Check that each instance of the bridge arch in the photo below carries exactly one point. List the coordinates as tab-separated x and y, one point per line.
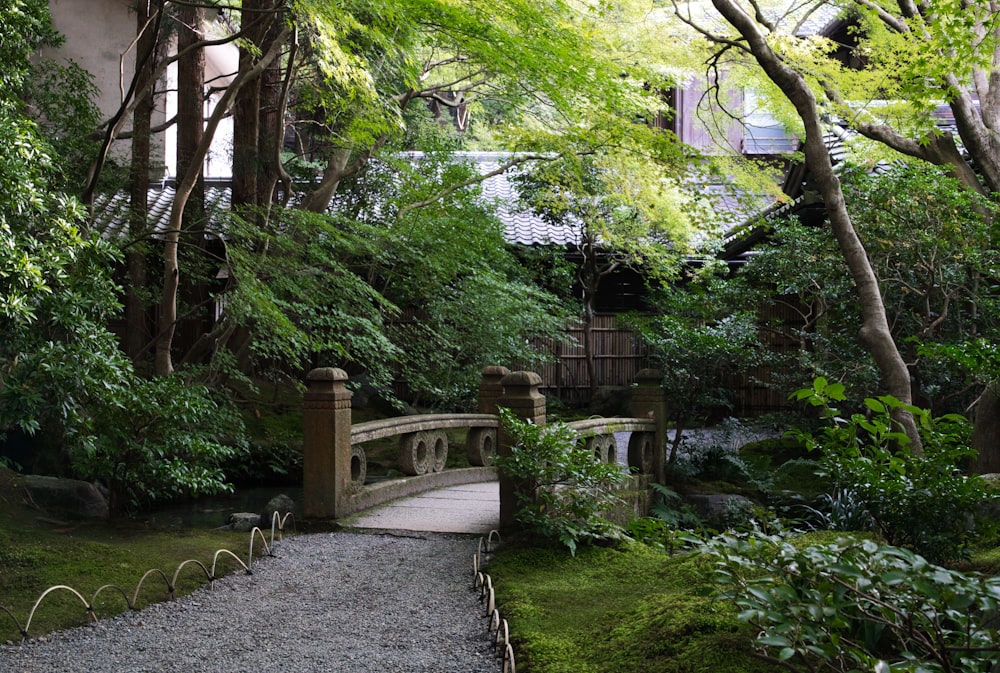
334	459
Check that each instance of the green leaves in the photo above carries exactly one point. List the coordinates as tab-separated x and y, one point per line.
160	439
918	500
562	491
58	361
25	26
368	60
847	605
698	341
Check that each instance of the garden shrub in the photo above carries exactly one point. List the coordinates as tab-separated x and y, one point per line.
562	491
855	605
917	499
669	522
163	439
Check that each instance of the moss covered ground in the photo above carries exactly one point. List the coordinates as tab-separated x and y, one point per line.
630	609
619	609
40	550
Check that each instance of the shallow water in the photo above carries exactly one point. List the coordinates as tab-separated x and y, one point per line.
214	511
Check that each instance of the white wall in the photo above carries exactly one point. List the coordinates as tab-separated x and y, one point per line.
99	36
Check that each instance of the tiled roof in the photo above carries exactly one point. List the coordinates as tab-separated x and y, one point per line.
521	225
111	211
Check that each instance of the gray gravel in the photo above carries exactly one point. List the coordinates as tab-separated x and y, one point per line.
343	601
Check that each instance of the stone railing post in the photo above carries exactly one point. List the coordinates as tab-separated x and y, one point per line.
491	388
521	396
326	461
648	401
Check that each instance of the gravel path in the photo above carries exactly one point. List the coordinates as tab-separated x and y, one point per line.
343	601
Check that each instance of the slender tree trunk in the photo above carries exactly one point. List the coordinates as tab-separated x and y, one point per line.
875	331
247	111
589	279
190	131
245	133
271	125
986	431
136	332
975	104
191	106
185	186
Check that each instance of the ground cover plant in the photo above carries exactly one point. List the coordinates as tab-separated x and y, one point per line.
857	605
618	609
40	550
866	594
786	600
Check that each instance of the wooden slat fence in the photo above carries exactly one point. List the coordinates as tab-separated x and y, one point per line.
618	356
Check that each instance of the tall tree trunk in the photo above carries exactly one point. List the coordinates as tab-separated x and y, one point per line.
136	332
191	106
975	104
986	431
875	331
271	125
190	131
247	111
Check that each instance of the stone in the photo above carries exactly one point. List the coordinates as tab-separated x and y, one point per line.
718	510
281	503
71	496
243	522
990	509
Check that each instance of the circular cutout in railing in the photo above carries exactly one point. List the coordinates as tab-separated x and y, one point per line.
414	457
359	466
603	448
438	443
480	446
641	451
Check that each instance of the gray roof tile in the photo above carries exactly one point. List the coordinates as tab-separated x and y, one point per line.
521	225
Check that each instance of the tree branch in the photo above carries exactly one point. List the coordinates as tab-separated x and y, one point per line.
893	22
131	100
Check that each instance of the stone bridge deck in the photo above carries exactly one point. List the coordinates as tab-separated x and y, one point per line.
468	508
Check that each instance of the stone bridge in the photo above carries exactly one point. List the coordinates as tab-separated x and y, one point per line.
335	466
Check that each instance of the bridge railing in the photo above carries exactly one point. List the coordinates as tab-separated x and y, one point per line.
335	464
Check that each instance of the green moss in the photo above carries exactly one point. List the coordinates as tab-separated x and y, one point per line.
37	553
986	561
617	610
775	451
800	476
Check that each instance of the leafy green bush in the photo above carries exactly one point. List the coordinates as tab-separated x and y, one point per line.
920	500
562	491
858	606
161	440
698	354
840	510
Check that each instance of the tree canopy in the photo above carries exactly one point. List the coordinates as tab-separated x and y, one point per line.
339	246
